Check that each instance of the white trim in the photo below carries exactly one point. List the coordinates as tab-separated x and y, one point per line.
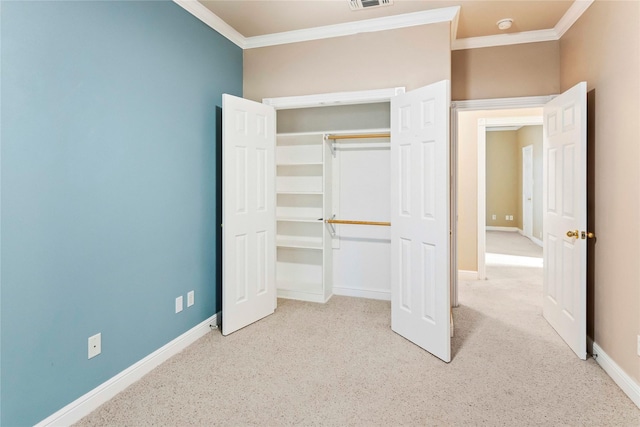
532	238
503	128
446	14
505	39
496	228
200	11
87	403
568	19
432	16
513	121
487	104
467	275
335	98
624	381
536	241
571	16
301	296
483	124
502	103
481	196
363	293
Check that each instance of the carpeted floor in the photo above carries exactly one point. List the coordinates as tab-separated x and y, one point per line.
340	364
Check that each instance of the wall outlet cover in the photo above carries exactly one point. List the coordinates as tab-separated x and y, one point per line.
190	298
179	304
95	345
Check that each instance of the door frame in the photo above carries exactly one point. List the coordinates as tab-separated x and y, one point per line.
527	184
479	105
483	124
334	98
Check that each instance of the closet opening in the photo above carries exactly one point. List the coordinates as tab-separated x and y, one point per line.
333	202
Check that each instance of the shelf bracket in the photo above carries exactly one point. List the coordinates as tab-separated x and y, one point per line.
332	229
332	144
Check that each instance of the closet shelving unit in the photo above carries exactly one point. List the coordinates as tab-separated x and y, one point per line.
303	181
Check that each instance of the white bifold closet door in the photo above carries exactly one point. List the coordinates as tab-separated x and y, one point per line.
249	221
420	257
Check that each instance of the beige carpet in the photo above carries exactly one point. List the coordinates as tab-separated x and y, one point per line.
340	364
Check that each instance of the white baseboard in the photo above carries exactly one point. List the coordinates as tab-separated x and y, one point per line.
533	239
467	275
492	228
536	241
624	381
84	405
363	293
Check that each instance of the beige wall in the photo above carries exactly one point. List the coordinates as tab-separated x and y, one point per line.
468	180
506	71
603	49
410	57
531	135
501	178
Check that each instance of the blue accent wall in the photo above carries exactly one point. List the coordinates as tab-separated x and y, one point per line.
108	168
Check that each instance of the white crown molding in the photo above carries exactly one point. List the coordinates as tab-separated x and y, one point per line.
433	16
335	98
198	10
568	19
447	14
571	16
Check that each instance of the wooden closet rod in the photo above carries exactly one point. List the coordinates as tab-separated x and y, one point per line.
343	221
360	136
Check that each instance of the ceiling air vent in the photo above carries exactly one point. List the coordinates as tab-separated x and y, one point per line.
367	4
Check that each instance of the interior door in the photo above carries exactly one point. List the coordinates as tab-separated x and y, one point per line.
565	216
248	239
420	257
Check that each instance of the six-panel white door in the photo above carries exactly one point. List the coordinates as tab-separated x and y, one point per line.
248	152
420	257
564	216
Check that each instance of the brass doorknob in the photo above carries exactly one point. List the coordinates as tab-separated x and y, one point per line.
588	235
573	233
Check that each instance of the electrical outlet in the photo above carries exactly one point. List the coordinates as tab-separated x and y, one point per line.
493	217
179	304
510	217
506	217
95	345
191	298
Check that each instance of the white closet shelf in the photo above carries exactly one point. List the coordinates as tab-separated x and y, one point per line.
299	164
298	286
299	242
300	219
299	192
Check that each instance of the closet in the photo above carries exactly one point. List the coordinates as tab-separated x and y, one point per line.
327	173
293	204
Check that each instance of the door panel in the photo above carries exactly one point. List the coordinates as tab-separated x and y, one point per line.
420	288
248	151
564	210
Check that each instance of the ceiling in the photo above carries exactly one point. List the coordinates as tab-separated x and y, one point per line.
477	18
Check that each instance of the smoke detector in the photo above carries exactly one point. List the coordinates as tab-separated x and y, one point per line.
367	4
504	24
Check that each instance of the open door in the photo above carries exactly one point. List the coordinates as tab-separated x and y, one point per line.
248	239
420	257
565	216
